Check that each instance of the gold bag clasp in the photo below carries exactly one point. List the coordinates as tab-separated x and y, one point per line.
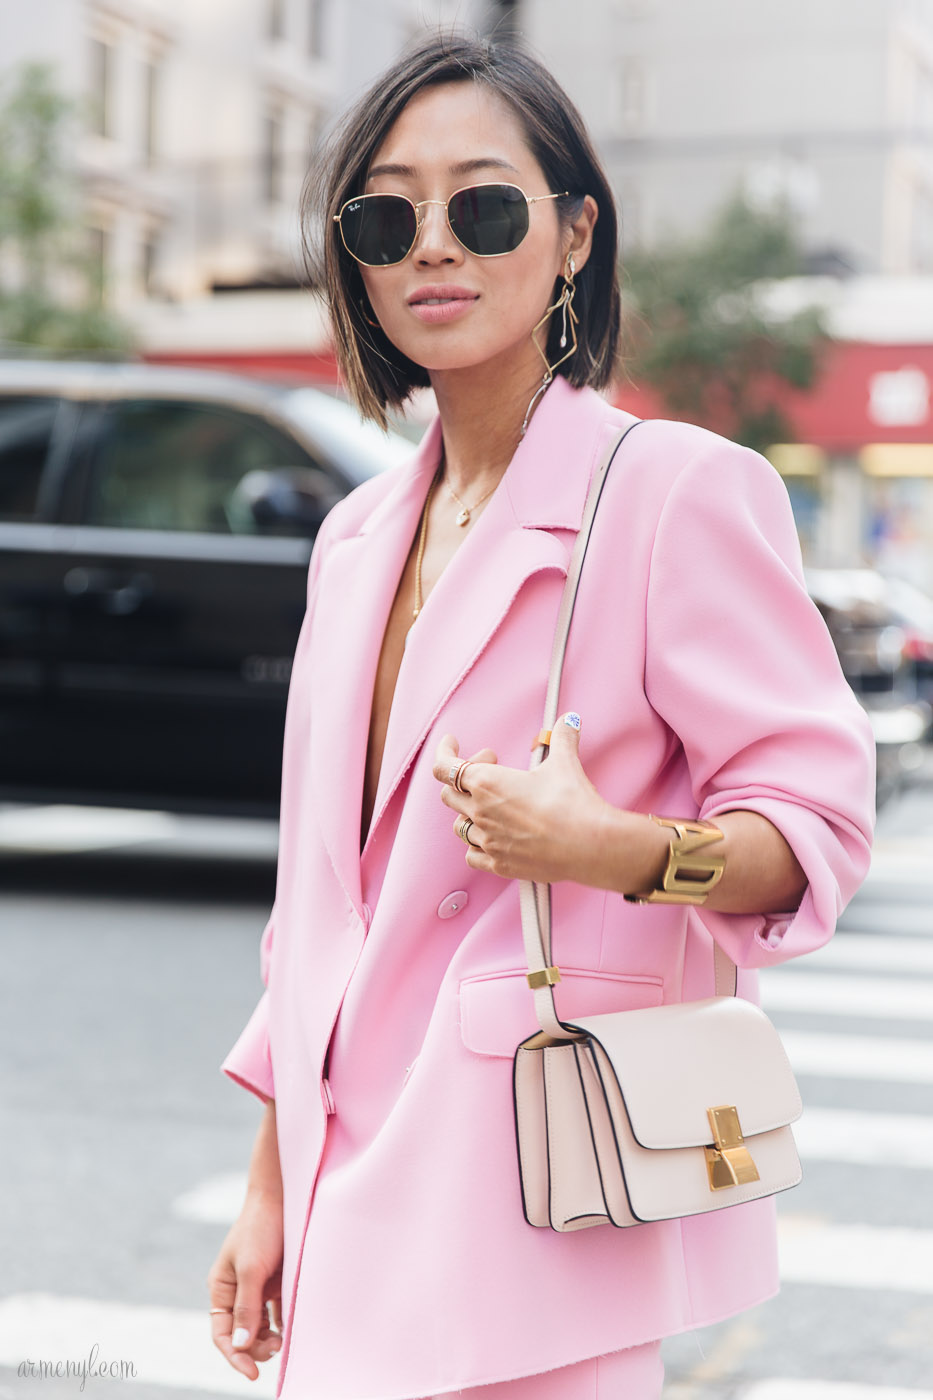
729	1163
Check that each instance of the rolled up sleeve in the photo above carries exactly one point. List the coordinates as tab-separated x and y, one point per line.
741	667
249	1062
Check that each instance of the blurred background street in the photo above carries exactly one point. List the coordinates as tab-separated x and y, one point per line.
172	434
130	943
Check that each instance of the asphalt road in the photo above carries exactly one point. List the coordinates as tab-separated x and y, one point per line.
130	946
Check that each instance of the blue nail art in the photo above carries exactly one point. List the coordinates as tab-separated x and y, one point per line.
573	719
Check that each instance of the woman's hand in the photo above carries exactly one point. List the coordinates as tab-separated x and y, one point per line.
246	1281
551	824
546	824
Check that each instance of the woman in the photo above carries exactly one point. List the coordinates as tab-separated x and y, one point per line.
383	1218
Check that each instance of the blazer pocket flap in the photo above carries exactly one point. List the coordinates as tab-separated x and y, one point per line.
497	1009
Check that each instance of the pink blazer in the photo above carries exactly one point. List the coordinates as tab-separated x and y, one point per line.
706	681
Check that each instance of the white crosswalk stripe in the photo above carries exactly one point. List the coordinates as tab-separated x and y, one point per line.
872	952
883	998
855	1256
865	1139
860	1057
828	1390
216	1201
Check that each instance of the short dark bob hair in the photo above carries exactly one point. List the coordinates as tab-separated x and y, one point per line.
378	376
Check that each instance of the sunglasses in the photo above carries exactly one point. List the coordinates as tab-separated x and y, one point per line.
380	230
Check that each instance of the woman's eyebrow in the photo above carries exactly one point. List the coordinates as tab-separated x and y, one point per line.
462	167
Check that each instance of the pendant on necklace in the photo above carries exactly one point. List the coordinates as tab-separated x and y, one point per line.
464	517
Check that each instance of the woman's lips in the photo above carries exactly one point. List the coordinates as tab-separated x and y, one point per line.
437	304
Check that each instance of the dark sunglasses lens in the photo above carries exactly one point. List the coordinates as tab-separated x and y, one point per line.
489	219
380	229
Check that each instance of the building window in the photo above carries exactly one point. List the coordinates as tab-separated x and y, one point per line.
629	114
151	92
314	132
101	87
149	264
99	256
923	102
631	215
921	233
317	12
272	157
275	19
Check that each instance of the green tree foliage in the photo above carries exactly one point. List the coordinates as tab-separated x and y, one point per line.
50	292
700	333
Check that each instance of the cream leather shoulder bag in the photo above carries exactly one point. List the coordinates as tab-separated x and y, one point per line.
634	1116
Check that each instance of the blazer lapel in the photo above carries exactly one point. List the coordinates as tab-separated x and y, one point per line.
543	491
358	582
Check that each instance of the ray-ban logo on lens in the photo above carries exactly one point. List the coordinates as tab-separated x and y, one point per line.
352	208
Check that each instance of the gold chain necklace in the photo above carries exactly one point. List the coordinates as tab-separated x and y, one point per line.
463	518
422	540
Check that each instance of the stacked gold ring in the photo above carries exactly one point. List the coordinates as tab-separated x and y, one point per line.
462	828
455	777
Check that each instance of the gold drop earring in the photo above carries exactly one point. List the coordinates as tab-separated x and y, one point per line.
563	304
366	317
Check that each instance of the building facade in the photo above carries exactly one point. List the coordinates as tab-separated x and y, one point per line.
828	105
196	122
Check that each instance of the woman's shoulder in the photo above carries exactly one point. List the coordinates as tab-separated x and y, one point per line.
666	447
350	514
663	459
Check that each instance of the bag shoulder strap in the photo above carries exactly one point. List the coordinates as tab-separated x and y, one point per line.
535	899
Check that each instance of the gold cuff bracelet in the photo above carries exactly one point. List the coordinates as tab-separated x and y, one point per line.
687	879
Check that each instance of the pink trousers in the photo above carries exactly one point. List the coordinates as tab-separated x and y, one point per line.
637	1373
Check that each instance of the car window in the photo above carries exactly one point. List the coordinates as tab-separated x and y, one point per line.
163	465
26	424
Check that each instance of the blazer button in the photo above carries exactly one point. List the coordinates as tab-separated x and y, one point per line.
452	904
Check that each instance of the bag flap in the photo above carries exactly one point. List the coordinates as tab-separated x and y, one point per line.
674	1062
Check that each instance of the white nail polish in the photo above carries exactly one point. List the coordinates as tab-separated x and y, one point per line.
240	1337
572	719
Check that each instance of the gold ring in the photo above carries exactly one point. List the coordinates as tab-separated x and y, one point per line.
222	1310
463	828
457	778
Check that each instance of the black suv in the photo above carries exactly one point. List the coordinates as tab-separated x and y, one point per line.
155	531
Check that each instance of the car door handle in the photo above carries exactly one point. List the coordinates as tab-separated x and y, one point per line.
118	594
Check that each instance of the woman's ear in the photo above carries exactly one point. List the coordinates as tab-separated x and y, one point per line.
581	241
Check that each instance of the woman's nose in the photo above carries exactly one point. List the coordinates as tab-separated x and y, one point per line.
435	241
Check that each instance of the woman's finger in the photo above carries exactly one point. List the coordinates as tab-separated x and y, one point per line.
221	1335
466	830
249	1321
456	801
446	755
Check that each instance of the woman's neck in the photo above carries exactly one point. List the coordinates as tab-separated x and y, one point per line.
482	410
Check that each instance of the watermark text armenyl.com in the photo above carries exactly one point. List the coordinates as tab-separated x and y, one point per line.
92	1366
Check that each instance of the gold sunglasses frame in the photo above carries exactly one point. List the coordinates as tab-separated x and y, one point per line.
445	204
